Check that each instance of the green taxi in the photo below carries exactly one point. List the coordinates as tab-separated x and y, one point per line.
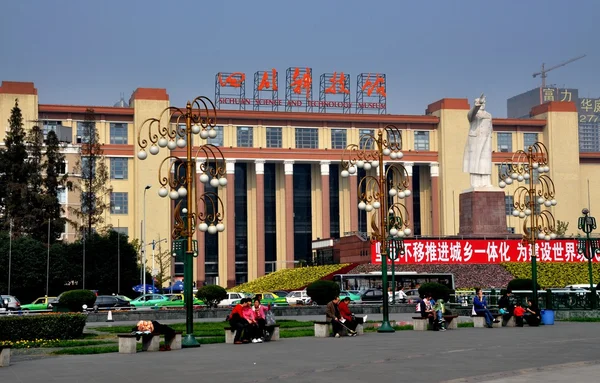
148	300
38	304
177	300
272	299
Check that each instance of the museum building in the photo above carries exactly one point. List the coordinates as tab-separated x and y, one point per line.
284	187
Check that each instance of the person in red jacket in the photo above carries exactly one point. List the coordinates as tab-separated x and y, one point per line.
238	323
351	322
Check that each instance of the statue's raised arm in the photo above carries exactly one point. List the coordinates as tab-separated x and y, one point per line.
478	102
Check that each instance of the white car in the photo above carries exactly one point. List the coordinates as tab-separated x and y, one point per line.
231	297
298	297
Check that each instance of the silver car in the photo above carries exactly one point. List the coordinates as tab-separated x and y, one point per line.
11	302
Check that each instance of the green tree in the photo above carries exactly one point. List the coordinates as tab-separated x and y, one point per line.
53	182
93	182
32	223
14	171
212	295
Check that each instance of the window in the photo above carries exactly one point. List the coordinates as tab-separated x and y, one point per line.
529	139
85	131
85	167
421	140
218	140
366	141
503	170
62	167
119	203
50	125
338	139
244	137
118	168
88	201
536	177
118	133
394	137
505	142
508	204
307	138
62	196
274	138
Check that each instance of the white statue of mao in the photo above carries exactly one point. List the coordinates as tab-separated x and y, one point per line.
477	160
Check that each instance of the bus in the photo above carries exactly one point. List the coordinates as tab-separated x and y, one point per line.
407	280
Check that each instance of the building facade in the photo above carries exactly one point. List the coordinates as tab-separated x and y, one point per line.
284	186
588	111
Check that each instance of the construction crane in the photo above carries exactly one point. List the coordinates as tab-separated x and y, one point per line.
544	70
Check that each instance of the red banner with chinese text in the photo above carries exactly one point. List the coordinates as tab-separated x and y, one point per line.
455	251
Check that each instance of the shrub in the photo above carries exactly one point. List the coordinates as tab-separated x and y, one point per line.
45	326
212	295
555	274
323	292
437	290
521	284
74	300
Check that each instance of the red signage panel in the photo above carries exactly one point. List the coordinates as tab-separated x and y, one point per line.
455	251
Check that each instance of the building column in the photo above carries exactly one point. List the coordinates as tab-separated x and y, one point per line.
200	235
289	215
435	198
325	215
230	226
260	217
354	202
409	200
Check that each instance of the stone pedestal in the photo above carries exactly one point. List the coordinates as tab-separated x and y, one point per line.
482	212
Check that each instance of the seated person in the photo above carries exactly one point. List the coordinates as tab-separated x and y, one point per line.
238	323
351	321
427	311
533	314
439	308
480	308
506	307
333	316
154	327
252	329
518	312
260	316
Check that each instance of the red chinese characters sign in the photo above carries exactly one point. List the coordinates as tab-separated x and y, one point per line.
482	251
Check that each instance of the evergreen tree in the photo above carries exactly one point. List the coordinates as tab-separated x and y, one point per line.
32	222
92	184
15	174
52	183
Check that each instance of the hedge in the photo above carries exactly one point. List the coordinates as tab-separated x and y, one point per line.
552	274
44	326
75	299
323	292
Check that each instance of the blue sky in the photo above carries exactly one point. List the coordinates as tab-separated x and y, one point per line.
87	53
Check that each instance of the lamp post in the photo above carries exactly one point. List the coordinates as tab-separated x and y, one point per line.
48	260
179	179
537	225
144	243
10	227
588	247
380	195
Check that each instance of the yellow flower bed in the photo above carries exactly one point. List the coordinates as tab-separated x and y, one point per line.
550	274
288	279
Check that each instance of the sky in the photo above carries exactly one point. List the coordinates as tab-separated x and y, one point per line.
89	52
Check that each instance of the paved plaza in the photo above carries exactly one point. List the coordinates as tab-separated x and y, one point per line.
560	353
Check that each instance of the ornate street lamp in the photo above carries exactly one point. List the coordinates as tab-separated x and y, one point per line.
380	195
537	224
588	247
179	180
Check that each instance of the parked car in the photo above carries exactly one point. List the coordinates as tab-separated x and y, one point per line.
39	304
232	299
125	298
354	298
148	300
13	303
110	301
272	299
298	297
177	300
412	296
372	295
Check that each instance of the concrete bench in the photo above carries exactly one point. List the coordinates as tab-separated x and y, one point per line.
273	330
4	356
512	322
325	329
479	320
422	324
150	342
